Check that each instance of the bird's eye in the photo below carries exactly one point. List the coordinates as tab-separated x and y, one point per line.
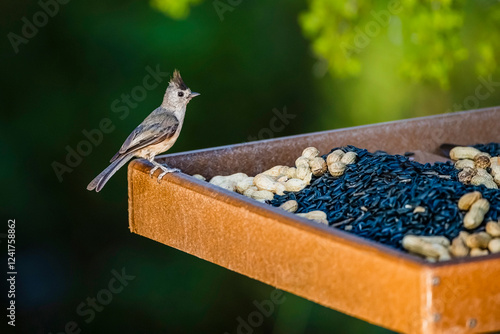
180	94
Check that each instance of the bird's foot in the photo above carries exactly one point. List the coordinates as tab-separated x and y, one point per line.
166	171
164	168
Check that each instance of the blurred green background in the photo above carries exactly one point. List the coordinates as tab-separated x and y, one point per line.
331	63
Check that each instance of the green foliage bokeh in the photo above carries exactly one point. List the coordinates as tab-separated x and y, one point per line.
428	39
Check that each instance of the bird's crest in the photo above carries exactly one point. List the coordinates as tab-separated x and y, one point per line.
177	80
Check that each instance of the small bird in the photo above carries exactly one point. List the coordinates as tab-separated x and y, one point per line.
156	134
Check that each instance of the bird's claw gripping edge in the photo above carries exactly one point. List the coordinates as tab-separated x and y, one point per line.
164	168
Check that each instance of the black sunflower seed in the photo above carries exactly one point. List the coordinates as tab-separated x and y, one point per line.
375	197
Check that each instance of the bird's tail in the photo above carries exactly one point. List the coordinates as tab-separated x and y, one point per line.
100	180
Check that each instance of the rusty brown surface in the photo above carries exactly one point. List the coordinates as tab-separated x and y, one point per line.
466	296
328	266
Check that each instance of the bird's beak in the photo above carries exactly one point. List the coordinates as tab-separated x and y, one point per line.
193	94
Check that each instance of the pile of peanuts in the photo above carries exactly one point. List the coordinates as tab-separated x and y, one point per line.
476	167
262	187
438	248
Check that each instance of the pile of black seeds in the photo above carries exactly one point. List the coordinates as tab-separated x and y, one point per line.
492	148
376	197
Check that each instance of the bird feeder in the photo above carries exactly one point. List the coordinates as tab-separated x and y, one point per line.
359	277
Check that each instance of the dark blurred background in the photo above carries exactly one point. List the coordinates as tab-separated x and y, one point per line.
331	64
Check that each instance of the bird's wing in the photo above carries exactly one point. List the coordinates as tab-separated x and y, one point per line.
152	130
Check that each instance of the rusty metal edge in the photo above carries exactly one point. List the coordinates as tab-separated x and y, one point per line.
305	135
